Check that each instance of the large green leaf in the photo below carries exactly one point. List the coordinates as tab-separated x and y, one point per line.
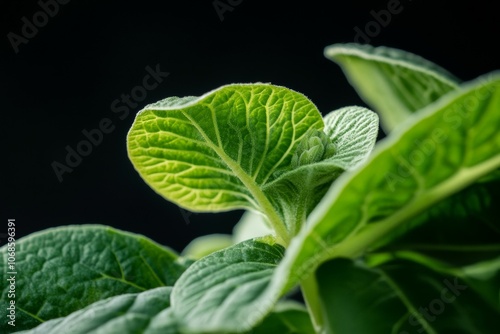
64	269
441	151
216	152
393	82
366	204
146	312
402	296
215	293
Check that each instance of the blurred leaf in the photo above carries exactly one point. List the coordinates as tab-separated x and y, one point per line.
403	297
207	244
393	82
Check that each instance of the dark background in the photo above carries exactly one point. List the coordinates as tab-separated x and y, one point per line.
65	78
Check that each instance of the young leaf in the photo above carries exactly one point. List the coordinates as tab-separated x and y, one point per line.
67	268
320	158
393	82
353	131
217	152
146	312
401	296
214	294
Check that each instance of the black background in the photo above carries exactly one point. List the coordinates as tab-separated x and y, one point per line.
65	78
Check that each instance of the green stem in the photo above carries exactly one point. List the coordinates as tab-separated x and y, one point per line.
309	288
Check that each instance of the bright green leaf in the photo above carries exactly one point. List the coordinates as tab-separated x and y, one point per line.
146	312
215	293
217	152
320	158
64	269
393	82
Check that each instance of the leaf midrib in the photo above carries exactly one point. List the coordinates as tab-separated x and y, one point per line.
356	245
248	181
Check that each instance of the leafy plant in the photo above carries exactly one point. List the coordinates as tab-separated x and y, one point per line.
401	239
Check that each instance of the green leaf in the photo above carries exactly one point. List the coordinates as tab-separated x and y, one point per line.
64	269
356	299
402	296
149	312
146	312
207	244
215	293
216	152
393	82
287	318
443	150
353	131
320	158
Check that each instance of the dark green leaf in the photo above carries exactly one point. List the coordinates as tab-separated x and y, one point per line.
287	318
64	269
146	312
404	297
461	230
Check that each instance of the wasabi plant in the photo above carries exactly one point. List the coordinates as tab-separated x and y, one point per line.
398	236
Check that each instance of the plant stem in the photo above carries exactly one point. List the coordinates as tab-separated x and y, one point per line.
309	289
